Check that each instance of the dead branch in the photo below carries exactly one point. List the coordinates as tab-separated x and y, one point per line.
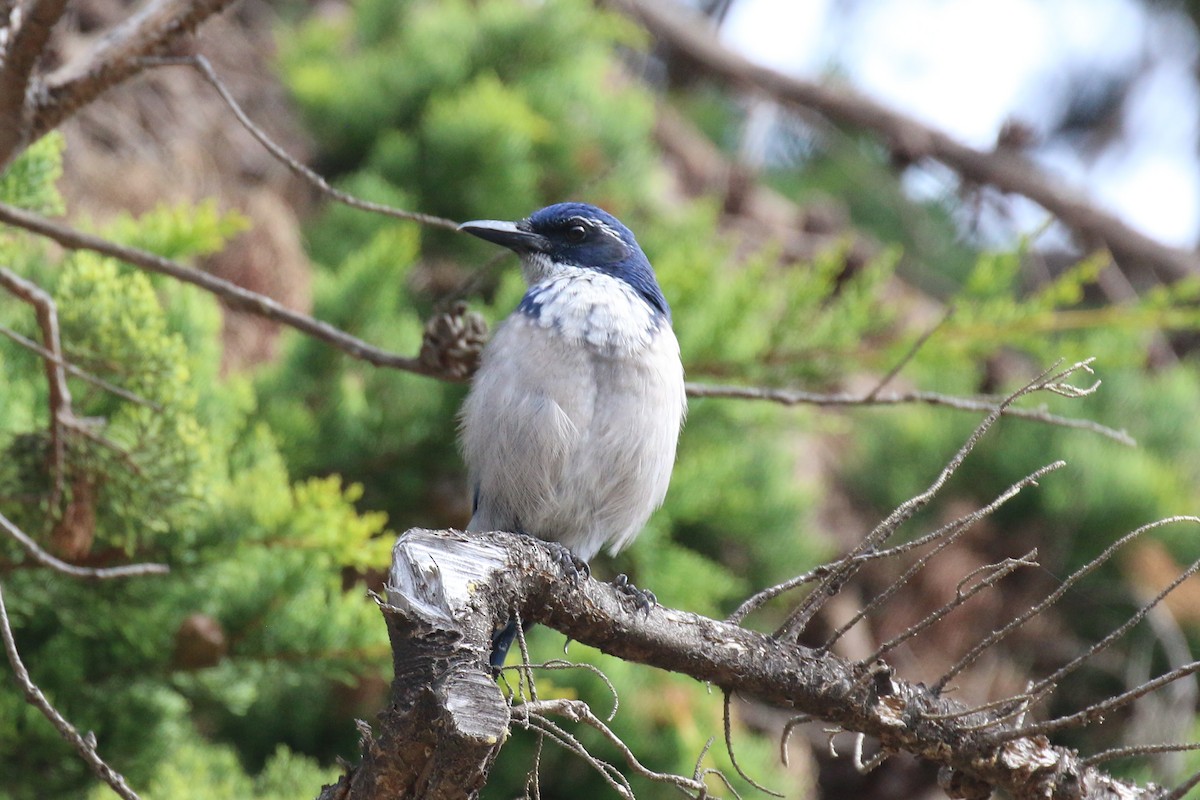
28	28
1051	380
1072	579
61	415
791	397
84	745
231	294
99	573
202	66
452	587
578	711
1002	168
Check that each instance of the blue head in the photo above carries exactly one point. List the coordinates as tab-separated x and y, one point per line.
575	235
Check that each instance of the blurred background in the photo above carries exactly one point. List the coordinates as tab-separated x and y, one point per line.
273	473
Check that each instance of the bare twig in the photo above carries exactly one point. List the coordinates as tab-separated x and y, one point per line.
1050	380
84	745
562	665
997	572
909	355
233	295
727	716
1003	168
1180	791
1140	750
82	374
579	712
1000	633
100	573
542	725
202	65
1097	711
791	397
947	535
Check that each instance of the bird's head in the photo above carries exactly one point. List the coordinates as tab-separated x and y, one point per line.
574	235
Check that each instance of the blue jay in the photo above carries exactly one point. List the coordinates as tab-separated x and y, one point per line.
570	428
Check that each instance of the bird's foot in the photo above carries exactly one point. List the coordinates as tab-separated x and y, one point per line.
571	564
643	599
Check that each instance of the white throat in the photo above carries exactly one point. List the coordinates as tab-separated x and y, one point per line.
587	306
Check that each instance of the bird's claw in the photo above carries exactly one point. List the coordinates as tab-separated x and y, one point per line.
572	565
643	599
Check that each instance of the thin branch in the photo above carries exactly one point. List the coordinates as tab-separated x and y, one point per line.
541	724
100	573
1005	169
997	573
947	534
1097	711
1140	750
82	374
727	717
561	665
1180	791
202	65
1048	381
792	397
84	746
234	296
909	355
1000	633
578	711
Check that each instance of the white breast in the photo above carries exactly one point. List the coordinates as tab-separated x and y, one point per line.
570	429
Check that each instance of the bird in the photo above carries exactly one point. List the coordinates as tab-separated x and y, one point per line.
570	428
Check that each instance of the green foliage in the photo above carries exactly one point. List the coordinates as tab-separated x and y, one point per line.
262	617
29	181
525	104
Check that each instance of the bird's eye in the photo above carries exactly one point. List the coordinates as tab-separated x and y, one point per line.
576	234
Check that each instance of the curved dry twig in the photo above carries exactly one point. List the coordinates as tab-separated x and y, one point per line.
202	66
578	711
1052	379
948	535
792	397
1000	633
997	572
232	294
99	573
85	746
728	722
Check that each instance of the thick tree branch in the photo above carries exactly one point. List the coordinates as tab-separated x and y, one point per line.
453	587
99	573
1003	169
154	30
32	22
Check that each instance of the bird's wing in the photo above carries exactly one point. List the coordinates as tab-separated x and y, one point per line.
522	421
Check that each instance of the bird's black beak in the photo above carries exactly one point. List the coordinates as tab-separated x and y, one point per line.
513	235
